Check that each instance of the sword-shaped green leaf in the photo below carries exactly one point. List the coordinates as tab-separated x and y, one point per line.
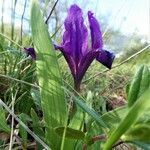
50	82
134	87
139	84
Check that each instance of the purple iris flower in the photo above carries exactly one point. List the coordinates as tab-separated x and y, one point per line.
30	52
74	46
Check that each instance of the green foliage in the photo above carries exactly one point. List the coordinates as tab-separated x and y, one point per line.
136	109
37	127
114	117
90	112
139	133
134	112
52	95
23	133
36	97
139	84
143	145
70	133
3	124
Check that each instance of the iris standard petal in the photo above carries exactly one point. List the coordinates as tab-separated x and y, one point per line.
75	38
106	58
30	51
96	34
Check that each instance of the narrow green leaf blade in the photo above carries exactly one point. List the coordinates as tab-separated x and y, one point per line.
88	110
23	132
52	95
139	84
3	123
37	128
91	112
114	117
145	81
134	87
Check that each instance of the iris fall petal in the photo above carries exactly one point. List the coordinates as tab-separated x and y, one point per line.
106	58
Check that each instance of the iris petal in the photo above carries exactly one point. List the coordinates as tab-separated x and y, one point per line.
106	58
75	38
103	56
71	63
30	51
96	34
86	62
68	58
74	44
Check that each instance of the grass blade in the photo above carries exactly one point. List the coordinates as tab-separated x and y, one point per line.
3	122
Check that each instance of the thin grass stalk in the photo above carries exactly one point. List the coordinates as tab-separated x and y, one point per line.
12	130
56	22
12	21
12	120
12	41
2	30
2	18
22	17
149	23
51	11
5	65
54	34
13	10
20	81
65	129
120	64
